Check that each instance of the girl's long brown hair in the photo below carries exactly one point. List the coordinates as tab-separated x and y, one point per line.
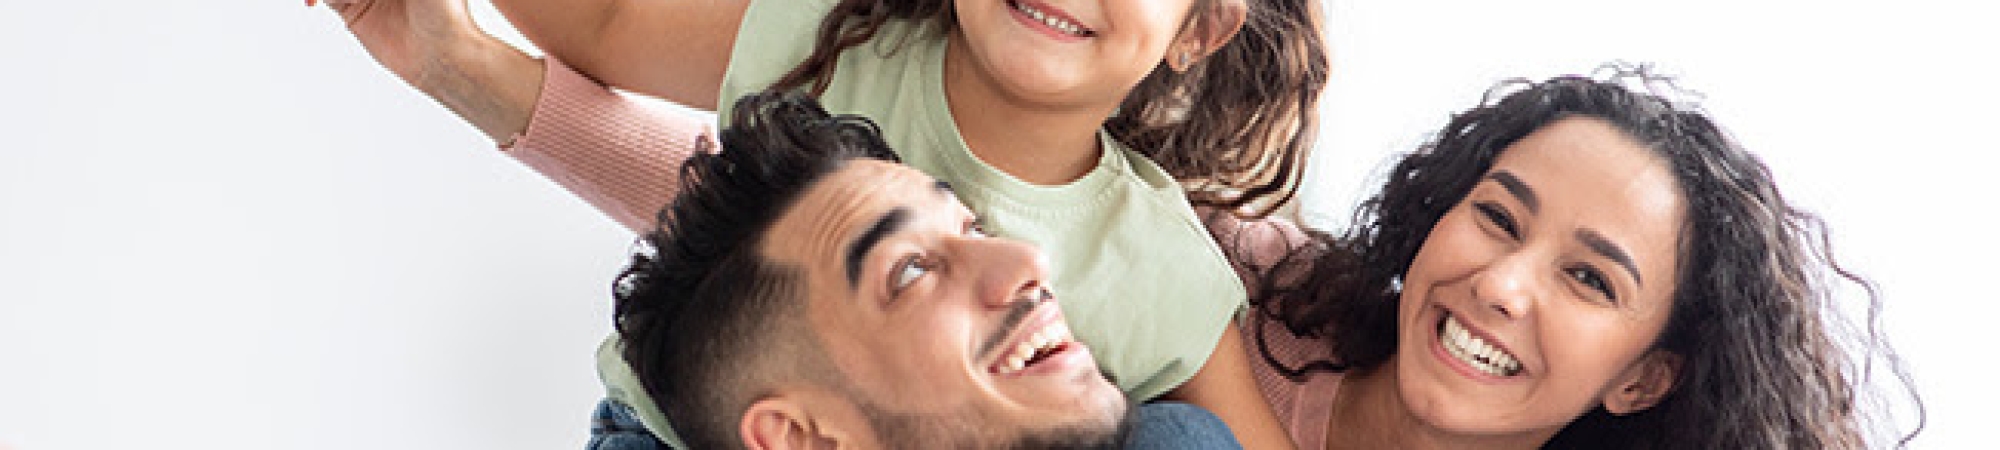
1235	128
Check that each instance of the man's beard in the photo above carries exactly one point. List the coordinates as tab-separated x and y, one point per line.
927	431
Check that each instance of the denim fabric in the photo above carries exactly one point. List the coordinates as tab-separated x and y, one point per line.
1178	426
615	427
1159	426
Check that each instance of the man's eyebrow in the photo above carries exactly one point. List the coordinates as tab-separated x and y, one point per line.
1520	190
885	226
1603	246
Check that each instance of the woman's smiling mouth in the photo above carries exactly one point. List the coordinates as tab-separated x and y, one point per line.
1465	346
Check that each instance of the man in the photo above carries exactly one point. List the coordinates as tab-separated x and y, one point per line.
804	291
968	351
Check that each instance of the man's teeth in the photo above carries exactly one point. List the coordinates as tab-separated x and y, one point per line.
1051	20
1461	343
1043	340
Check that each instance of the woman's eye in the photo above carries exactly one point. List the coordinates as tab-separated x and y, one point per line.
1594	280
907	272
1499	218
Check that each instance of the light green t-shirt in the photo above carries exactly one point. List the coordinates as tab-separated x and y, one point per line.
1138	276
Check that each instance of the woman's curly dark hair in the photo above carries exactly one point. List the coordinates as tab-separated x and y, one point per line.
1236	127
1769	360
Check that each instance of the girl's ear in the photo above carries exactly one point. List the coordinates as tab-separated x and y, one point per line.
1644	383
780	423
1207	30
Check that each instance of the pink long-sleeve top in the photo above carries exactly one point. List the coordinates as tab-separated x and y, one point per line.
624	158
1304	405
619	155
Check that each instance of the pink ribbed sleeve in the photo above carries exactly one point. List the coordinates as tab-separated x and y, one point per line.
1304	406
1253	246
620	156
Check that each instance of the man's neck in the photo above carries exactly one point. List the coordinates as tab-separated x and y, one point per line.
1039	144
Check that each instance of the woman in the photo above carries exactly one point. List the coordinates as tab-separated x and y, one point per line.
1574	265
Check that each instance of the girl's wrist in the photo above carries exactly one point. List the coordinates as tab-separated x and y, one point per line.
486	81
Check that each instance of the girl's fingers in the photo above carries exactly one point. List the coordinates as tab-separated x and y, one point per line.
344	8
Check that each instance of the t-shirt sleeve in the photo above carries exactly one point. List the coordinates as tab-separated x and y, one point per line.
619	155
776	35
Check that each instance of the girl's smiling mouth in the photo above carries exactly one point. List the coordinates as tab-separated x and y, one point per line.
1049	20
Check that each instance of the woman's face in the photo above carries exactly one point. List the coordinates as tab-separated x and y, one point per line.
1539	295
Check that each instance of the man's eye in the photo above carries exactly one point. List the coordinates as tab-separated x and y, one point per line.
908	271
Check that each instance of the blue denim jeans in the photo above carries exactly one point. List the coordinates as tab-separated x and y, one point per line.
1159	426
1178	426
615	427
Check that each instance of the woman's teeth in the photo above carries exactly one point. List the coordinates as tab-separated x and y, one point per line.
1462	344
1039	344
1051	20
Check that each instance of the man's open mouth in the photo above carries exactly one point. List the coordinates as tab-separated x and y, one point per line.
1053	338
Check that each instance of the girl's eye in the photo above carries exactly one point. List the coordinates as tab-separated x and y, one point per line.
1592	279
1499	218
908	271
974	229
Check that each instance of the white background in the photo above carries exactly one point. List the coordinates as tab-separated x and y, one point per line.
223	227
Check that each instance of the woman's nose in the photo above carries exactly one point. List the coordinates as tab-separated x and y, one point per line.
1508	286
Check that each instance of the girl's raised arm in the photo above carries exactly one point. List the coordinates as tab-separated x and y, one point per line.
673	49
619	155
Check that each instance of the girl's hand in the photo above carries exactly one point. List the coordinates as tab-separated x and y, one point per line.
435	47
409	37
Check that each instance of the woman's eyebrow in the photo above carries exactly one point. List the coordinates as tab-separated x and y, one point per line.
1520	190
1617	254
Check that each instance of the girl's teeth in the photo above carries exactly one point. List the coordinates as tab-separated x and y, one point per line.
1050	20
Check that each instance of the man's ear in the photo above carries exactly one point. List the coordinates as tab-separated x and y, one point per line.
781	424
1207	30
1644	383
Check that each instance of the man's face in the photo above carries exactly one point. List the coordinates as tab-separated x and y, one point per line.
937	327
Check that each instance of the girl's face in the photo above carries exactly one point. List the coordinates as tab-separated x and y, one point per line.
1539	295
1067	53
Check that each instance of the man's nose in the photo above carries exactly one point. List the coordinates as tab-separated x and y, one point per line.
1008	271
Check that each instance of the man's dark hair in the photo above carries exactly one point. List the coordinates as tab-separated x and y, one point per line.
707	322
